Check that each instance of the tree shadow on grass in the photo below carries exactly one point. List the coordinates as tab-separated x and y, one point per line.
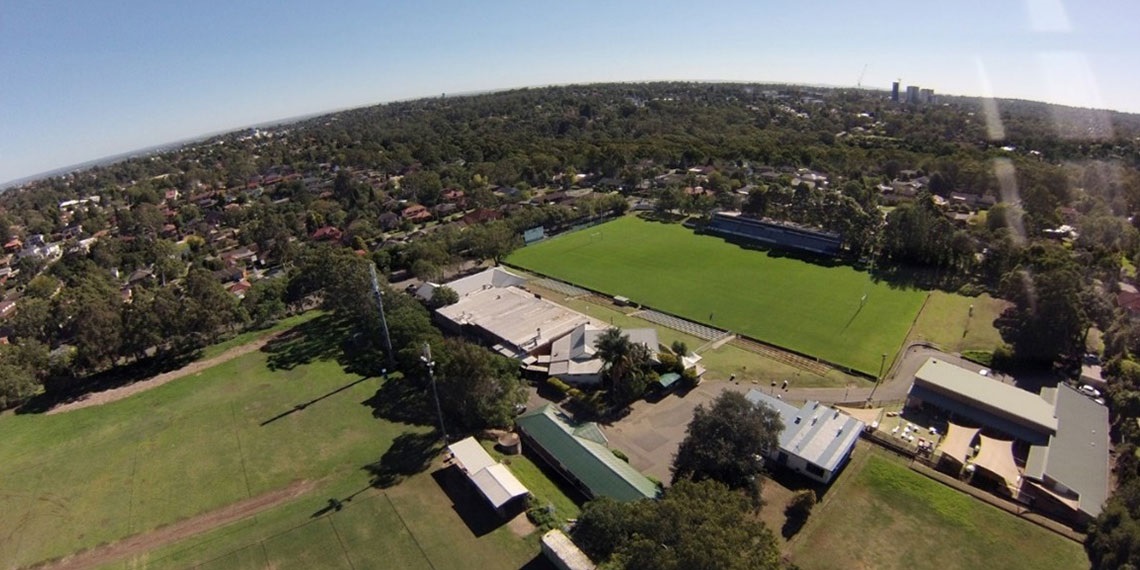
476	513
410	453
539	562
402	400
318	339
63	390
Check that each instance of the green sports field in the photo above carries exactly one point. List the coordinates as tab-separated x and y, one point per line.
788	302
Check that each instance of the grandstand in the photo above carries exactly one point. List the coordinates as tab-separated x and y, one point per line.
773	233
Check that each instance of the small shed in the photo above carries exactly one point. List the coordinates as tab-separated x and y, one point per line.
563	553
668	380
493	480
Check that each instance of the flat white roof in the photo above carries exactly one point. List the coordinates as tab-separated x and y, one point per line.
514	316
498	484
470	455
986	393
559	546
493	479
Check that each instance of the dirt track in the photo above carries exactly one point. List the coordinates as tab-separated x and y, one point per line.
148	541
115	394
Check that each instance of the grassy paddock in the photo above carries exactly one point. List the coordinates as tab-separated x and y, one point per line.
75	480
789	302
946	321
883	515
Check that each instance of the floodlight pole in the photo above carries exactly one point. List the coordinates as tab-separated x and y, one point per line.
426	358
879	378
383	321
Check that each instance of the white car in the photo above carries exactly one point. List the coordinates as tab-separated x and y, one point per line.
1089	391
984	372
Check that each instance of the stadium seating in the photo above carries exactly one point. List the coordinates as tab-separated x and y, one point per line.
776	234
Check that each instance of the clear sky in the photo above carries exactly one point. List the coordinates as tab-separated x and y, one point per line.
83	79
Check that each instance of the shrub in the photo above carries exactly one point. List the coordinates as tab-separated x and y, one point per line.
970	290
544	516
558	385
575	393
689	378
620	455
668	363
801	504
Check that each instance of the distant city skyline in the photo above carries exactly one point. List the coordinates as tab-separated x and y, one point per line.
96	79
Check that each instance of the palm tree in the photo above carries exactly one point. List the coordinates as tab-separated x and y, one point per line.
615	350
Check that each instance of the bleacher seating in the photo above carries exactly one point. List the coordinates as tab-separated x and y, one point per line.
776	233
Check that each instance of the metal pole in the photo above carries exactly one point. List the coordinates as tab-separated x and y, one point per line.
435	393
383	321
878	379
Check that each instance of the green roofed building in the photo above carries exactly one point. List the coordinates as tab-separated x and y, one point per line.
579	452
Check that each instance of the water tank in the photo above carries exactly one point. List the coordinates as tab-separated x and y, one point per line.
510	444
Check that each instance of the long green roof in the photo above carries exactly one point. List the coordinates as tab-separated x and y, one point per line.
592	463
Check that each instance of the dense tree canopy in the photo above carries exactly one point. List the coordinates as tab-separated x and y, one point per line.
693	526
728	442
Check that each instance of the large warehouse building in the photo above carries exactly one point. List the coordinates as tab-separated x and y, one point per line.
1066	470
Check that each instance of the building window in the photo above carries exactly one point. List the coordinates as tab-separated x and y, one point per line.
814	470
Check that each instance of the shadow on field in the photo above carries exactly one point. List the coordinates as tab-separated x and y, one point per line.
318	339
410	453
298	407
476	513
539	562
402	400
324	338
63	390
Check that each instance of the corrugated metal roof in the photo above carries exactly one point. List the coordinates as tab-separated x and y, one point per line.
1078	454
814	432
590	462
986	393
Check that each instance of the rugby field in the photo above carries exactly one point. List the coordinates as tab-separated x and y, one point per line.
795	304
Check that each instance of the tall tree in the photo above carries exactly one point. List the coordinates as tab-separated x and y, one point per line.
478	388
1047	319
728	442
694	526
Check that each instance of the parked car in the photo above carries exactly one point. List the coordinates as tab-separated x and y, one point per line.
1089	391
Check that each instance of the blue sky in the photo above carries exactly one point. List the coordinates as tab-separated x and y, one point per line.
90	78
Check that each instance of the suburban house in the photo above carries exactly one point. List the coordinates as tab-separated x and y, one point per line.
574	360
492	479
817	440
416	213
580	453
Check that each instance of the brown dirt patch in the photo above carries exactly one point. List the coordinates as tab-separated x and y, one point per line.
116	394
147	541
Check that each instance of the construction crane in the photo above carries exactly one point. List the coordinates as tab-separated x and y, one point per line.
859	84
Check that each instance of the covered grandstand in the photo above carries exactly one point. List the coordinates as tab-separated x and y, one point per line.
773	233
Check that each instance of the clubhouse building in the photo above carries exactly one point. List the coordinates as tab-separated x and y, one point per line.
1050	450
817	440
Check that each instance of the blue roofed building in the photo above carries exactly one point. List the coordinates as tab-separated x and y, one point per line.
816	441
